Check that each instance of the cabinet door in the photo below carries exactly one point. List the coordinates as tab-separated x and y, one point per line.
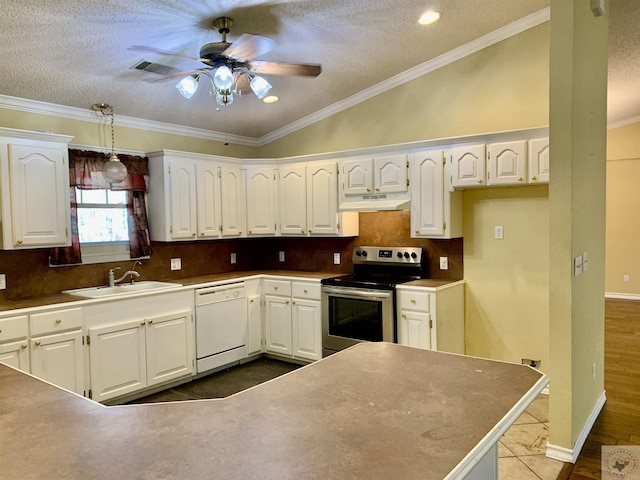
58	359
15	354
278	324
538	160
507	163
468	167
293	200
391	174
118	359
357	176
207	199
307	329
39	179
427	194
414	329
261	201
183	200
231	201
169	346
254	325
322	199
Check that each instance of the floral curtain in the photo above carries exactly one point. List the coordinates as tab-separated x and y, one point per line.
85	172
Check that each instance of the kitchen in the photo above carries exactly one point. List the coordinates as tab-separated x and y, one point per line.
484	265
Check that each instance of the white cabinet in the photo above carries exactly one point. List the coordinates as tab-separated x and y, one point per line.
309	202
432	317
363	176
132	355
255	330
436	211
194	197
56	348
292	323
14	346
261	200
538	160
507	163
34	190
468	166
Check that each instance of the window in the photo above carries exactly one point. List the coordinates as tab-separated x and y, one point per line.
102	225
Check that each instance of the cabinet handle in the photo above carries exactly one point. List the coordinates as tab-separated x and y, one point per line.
23	346
193	234
533	179
19	242
293	303
202	234
480	181
302	231
0	330
413	300
404	315
150	322
287	302
305	290
377	189
58	321
37	343
417	232
519	179
251	300
275	288
249	232
310	231
143	323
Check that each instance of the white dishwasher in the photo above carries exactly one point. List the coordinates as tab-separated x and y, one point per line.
221	325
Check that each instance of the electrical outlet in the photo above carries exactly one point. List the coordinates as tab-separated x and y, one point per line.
281	255
444	263
3	281
531	363
498	232
336	258
176	264
233	258
625	278
593	372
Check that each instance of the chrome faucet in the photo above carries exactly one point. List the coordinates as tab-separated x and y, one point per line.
132	273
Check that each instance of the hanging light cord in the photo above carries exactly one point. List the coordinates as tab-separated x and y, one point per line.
113	135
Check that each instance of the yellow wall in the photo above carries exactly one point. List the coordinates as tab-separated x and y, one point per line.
503	87
507	308
623	201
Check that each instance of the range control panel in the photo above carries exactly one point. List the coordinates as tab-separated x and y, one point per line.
387	255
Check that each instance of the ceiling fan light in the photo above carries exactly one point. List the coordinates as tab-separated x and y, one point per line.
260	86
188	86
270	99
224	100
429	17
114	170
223	79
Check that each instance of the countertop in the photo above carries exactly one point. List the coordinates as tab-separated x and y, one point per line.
374	411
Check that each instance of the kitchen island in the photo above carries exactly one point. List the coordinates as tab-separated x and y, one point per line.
374	411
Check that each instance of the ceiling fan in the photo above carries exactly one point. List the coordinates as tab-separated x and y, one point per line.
231	67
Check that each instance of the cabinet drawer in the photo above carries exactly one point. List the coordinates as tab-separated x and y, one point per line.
13	327
414	301
277	287
58	321
306	290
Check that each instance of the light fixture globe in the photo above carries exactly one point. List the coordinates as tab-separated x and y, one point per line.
114	170
260	87
223	80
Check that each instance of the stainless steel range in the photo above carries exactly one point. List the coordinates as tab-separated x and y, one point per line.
360	307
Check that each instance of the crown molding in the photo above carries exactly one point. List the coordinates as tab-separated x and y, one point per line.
623	123
465	50
86	115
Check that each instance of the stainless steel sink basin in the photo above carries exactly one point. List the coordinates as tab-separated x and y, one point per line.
123	289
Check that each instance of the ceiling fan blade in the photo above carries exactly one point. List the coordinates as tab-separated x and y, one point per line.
249	46
143	48
242	83
284	68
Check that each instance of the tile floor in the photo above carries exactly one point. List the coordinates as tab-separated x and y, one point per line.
521	451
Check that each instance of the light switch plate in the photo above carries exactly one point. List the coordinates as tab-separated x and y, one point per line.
336	258
498	232
233	258
585	262
176	264
281	255
577	266
444	263
3	281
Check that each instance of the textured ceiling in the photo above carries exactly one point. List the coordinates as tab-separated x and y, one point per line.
75	52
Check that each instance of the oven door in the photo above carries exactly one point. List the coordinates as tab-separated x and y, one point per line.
351	315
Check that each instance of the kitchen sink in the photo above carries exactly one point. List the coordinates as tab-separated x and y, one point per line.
123	289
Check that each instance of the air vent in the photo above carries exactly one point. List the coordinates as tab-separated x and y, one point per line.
154	68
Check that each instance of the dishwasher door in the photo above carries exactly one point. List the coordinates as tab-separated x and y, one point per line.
221	325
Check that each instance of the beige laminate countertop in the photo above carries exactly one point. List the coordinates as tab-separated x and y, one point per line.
374	411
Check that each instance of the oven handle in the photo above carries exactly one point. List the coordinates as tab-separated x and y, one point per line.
356	292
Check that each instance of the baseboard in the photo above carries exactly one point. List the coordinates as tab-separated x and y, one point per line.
622	296
570	455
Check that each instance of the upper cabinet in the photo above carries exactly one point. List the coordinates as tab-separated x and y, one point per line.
193	197
34	190
507	163
539	160
308	203
468	166
375	175
261	200
436	210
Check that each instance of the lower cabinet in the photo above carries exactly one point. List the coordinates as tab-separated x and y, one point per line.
292	319
129	356
432	318
14	346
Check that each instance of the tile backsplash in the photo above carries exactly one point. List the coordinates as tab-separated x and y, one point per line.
28	272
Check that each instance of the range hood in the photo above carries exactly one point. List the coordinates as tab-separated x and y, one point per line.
360	203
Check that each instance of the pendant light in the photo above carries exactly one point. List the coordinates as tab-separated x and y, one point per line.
113	170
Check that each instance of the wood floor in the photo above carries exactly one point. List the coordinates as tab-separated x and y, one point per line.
619	421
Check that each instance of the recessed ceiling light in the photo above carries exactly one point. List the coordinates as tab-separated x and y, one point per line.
270	99
429	17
